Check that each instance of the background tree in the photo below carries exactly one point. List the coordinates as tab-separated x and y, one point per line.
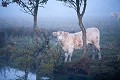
80	7
30	7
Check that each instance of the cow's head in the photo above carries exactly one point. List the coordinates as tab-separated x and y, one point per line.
61	35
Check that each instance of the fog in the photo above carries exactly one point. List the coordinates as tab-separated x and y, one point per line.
57	11
22	59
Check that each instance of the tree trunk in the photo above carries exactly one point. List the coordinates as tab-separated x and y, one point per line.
35	27
38	76
26	74
83	35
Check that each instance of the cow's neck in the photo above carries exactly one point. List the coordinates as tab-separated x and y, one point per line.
64	41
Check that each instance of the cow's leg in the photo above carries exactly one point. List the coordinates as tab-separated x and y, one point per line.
66	57
93	50
98	48
70	53
99	55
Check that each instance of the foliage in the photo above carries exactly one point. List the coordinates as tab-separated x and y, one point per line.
30	7
19	52
27	5
107	68
23	53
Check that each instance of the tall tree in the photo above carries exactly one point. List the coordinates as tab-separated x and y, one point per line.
79	6
30	7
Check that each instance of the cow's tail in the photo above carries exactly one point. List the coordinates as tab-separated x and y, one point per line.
98	37
96	29
98	32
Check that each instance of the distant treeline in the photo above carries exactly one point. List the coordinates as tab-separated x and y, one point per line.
17	30
27	31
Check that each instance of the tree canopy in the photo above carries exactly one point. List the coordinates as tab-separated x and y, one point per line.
27	6
78	5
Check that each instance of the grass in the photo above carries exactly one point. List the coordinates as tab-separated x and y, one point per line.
106	69
79	69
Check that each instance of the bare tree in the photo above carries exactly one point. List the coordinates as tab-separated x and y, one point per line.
30	7
79	6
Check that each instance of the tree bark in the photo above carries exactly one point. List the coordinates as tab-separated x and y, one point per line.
26	74
38	76
83	35
35	27
80	16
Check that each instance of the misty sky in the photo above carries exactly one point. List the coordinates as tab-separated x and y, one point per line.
57	9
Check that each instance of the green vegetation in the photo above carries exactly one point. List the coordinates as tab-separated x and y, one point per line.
19	52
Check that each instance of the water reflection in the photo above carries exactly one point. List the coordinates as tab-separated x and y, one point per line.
14	74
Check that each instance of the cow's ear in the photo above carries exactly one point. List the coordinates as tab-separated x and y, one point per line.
54	33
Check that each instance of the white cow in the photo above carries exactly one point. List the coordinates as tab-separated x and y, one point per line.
71	41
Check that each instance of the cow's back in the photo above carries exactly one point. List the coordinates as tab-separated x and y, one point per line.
78	42
93	35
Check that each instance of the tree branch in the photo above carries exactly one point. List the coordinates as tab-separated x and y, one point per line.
78	6
73	3
70	4
84	7
23	5
25	11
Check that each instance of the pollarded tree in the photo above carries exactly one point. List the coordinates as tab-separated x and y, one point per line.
79	6
30	7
